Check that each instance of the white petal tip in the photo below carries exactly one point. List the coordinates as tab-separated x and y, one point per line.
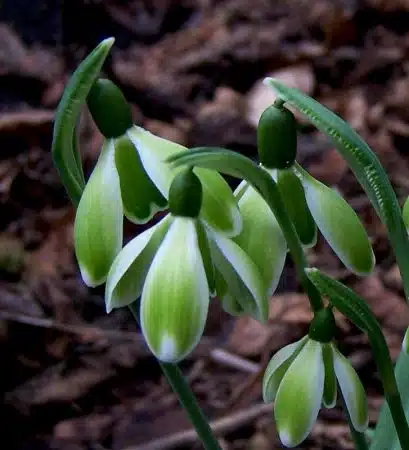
287	440
168	350
89	280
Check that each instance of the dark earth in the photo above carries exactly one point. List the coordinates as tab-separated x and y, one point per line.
74	378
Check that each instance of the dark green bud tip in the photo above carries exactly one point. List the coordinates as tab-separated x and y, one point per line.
277	137
185	194
323	326
109	108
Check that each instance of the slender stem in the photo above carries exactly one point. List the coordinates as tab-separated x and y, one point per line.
186	398
359	439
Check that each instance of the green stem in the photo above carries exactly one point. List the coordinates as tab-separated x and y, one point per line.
186	398
355	308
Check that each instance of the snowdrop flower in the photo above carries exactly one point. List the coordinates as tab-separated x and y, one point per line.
132	178
302	376
171	266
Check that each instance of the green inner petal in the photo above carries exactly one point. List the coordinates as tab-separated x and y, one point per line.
153	152
140	197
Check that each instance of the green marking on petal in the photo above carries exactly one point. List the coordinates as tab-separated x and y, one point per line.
219	208
261	238
129	269
175	297
153	151
339	224
277	367
99	219
140	197
352	391
293	195
330	384
299	396
243	279
206	256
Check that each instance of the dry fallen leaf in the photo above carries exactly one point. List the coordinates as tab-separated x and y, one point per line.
261	96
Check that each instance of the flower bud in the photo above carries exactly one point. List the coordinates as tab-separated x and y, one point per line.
277	137
109	108
185	194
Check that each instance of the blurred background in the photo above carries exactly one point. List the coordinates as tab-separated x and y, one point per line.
74	378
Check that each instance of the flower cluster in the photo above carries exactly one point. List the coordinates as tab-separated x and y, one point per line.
214	242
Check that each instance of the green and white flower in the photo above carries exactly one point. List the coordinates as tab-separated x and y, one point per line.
171	267
302	376
132	178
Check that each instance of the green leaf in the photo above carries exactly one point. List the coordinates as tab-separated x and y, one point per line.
385	434
64	149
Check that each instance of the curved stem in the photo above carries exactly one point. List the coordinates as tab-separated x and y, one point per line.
236	165
355	308
186	398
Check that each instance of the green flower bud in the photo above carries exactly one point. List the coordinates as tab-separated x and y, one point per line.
109	108
185	194
293	195
277	137
323	327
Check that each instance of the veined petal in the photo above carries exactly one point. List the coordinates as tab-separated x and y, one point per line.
277	367
175	297
339	224
99	219
129	269
352	391
261	238
153	151
299	396
219	208
329	398
243	278
140	197
240	190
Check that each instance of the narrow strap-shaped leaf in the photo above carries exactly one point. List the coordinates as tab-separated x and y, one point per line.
64	149
362	161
